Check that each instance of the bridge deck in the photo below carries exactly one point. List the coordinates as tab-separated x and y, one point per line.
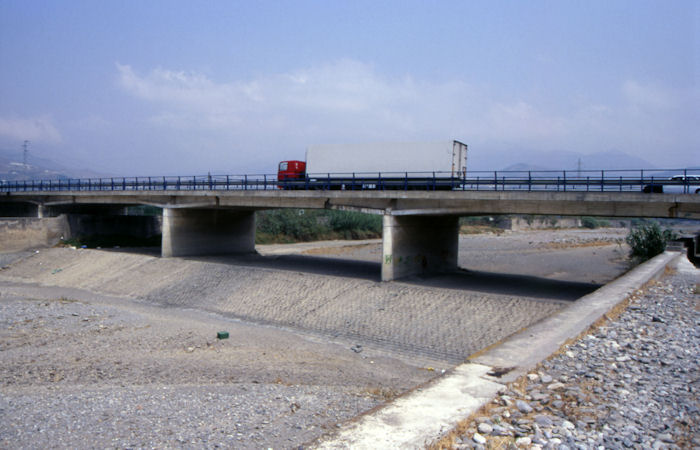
612	204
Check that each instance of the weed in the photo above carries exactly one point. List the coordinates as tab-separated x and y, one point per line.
648	240
383	393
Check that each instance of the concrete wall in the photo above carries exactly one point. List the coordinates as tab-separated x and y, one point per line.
414	245
191	232
23	233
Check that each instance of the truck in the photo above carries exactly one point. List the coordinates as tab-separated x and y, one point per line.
385	165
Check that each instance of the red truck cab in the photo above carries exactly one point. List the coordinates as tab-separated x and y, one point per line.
291	170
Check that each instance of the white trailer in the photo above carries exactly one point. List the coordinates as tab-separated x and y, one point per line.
447	159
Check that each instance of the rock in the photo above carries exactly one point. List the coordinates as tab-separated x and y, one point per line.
533	377
523	441
543	420
479	439
523	406
485	428
556	385
545	379
499	430
568	425
665	437
539	396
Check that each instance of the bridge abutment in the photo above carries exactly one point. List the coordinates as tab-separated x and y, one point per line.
192	232
414	245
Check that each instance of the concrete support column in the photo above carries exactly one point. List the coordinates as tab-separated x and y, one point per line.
190	232
415	245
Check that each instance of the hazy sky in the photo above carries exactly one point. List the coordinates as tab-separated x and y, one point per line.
175	87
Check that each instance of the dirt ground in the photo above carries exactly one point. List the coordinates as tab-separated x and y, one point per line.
116	348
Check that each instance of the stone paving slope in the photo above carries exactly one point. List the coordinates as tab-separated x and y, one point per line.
441	323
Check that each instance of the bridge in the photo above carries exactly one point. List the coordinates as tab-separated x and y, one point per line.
216	215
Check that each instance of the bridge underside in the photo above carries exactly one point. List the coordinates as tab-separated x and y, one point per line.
420	229
412	245
195	232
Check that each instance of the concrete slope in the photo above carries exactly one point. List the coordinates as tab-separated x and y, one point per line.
422	416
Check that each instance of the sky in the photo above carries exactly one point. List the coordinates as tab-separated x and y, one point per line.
134	87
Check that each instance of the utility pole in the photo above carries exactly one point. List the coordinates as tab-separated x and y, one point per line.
25	152
579	167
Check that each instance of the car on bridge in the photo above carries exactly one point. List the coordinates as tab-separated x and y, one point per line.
677	184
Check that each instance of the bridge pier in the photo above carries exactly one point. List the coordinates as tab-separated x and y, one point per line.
414	245
191	231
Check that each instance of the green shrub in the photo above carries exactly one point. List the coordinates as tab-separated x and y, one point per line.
593	222
301	225
648	240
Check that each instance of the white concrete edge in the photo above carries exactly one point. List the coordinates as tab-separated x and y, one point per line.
527	348
413	421
426	414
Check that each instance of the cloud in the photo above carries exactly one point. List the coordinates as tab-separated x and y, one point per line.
648	96
348	100
343	93
36	129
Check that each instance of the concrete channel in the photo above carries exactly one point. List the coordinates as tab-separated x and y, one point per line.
423	415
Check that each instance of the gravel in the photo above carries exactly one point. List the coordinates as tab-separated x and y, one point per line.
83	371
630	383
115	349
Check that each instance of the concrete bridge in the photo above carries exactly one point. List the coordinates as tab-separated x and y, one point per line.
420	228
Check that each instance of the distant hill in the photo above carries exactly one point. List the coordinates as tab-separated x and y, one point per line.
12	168
522	167
565	160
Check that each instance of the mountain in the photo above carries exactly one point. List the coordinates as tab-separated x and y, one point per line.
565	160
12	168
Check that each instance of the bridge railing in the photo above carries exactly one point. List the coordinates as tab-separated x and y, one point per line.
677	181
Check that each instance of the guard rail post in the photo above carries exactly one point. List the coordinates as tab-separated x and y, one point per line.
565	181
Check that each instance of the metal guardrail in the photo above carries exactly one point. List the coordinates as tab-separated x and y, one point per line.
683	181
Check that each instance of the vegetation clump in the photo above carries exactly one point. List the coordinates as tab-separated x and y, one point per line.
302	225
648	240
593	223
